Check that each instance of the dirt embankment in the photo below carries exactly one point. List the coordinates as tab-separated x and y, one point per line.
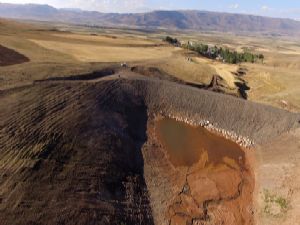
11	57
245	118
82	152
217	84
83	77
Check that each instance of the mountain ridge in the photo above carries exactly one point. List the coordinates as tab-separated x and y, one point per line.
173	20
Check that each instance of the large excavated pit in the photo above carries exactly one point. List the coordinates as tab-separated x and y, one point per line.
214	176
130	150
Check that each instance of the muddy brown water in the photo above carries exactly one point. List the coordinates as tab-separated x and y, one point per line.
185	144
218	179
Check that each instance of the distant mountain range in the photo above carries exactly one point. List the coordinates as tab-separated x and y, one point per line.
175	20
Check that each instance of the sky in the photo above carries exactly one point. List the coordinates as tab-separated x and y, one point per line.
273	8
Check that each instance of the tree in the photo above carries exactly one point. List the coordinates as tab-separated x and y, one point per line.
261	57
171	40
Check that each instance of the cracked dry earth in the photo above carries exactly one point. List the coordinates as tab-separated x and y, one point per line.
203	178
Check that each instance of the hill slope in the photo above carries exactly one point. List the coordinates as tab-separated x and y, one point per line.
187	20
79	152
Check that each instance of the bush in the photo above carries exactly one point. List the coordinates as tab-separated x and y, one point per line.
272	200
171	40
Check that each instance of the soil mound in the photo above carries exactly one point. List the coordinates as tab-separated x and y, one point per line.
82	77
217	84
72	155
10	57
86	152
154	72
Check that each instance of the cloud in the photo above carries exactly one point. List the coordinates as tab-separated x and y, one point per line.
265	8
234	6
94	5
109	5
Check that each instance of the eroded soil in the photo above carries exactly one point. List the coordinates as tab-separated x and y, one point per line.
211	176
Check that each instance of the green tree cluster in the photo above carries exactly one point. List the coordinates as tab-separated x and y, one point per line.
232	57
224	54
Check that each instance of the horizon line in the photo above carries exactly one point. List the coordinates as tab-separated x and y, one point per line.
153	10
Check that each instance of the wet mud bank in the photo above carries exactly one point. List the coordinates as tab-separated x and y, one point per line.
209	178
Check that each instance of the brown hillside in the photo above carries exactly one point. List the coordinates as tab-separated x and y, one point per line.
10	57
82	152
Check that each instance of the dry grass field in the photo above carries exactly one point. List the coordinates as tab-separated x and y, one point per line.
67	50
109	40
106	53
61	50
276	81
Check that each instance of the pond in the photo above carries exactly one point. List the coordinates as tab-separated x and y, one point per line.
186	145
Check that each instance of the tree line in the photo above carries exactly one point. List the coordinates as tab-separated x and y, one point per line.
219	53
225	54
